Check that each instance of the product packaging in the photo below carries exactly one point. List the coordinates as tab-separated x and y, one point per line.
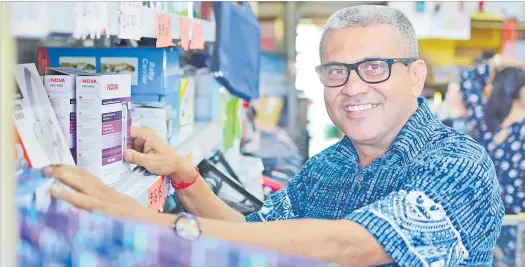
60	84
40	138
172	100
152	70
207	98
187	101
157	117
103	124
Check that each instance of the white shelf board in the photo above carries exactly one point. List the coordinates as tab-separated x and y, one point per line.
61	16
199	140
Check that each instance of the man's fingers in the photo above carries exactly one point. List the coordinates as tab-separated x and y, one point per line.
77	199
135	157
72	176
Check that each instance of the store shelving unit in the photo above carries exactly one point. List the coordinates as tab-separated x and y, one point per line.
195	142
62	21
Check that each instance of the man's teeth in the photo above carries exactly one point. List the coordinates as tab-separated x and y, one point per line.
360	107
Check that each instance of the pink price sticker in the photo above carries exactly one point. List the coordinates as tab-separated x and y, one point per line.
198	40
163	30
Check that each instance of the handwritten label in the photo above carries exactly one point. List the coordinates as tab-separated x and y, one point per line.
29	19
184	31
91	20
130	21
198	40
157	195
163	30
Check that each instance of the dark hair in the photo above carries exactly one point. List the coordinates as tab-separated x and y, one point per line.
505	89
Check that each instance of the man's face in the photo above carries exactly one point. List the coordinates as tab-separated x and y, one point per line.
370	113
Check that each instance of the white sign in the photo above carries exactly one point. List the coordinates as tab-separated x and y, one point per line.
91	20
130	20
450	25
29	19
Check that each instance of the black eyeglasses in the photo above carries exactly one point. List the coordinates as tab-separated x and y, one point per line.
370	70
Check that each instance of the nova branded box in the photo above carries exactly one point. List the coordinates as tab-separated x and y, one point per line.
41	141
152	70
103	124
60	84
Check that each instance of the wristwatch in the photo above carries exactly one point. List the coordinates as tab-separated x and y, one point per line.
187	226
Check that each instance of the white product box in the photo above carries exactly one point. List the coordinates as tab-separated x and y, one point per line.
158	117
39	137
60	84
103	124
187	101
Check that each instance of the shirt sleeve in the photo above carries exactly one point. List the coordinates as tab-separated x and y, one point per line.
448	214
472	84
287	203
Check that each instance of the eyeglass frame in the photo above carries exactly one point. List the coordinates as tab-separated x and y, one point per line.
354	66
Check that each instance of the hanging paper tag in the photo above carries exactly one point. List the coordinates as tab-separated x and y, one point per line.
156	195
29	19
130	21
198	40
184	31
163	30
91	20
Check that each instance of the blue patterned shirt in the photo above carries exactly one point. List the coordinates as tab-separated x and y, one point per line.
431	200
509	155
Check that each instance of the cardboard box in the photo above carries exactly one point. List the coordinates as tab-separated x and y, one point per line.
170	99
157	117
103	124
152	70
37	127
60	84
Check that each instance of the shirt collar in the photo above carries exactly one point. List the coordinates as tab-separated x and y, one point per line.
408	143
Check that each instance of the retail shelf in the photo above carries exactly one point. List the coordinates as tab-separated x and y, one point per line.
61	16
195	142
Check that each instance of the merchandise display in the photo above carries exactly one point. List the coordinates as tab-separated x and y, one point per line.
157	117
103	124
36	123
60	84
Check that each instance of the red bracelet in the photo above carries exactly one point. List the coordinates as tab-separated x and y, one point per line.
184	185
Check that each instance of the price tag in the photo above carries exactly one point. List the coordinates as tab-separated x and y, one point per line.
91	20
198	40
130	21
184	31
29	19
163	30
157	195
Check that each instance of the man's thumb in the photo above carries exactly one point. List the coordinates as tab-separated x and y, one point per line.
135	157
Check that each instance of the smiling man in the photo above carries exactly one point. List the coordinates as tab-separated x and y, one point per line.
399	189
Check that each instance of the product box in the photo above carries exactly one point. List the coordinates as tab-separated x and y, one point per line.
152	70
60	84
187	101
40	138
172	100
157	117
103	124
207	98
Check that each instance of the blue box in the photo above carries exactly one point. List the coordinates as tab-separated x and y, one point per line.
153	70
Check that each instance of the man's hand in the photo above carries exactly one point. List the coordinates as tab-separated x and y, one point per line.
91	194
153	153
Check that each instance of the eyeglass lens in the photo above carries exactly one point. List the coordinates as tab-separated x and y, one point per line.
369	71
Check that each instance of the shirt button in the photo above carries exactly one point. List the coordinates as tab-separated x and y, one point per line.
360	178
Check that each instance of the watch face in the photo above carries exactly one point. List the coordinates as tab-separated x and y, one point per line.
187	227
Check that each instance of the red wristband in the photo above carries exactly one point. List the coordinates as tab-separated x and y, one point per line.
184	185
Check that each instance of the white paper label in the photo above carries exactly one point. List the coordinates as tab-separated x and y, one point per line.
29	19
91	20
130	20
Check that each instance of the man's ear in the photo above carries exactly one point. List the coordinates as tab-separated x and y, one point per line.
418	74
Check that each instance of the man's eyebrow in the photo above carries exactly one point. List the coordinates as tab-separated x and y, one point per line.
363	59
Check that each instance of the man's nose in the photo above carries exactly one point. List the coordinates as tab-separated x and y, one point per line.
354	86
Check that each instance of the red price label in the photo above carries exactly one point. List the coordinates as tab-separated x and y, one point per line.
198	40
184	30
157	195
163	30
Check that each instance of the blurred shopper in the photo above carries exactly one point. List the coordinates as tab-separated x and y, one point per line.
498	123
